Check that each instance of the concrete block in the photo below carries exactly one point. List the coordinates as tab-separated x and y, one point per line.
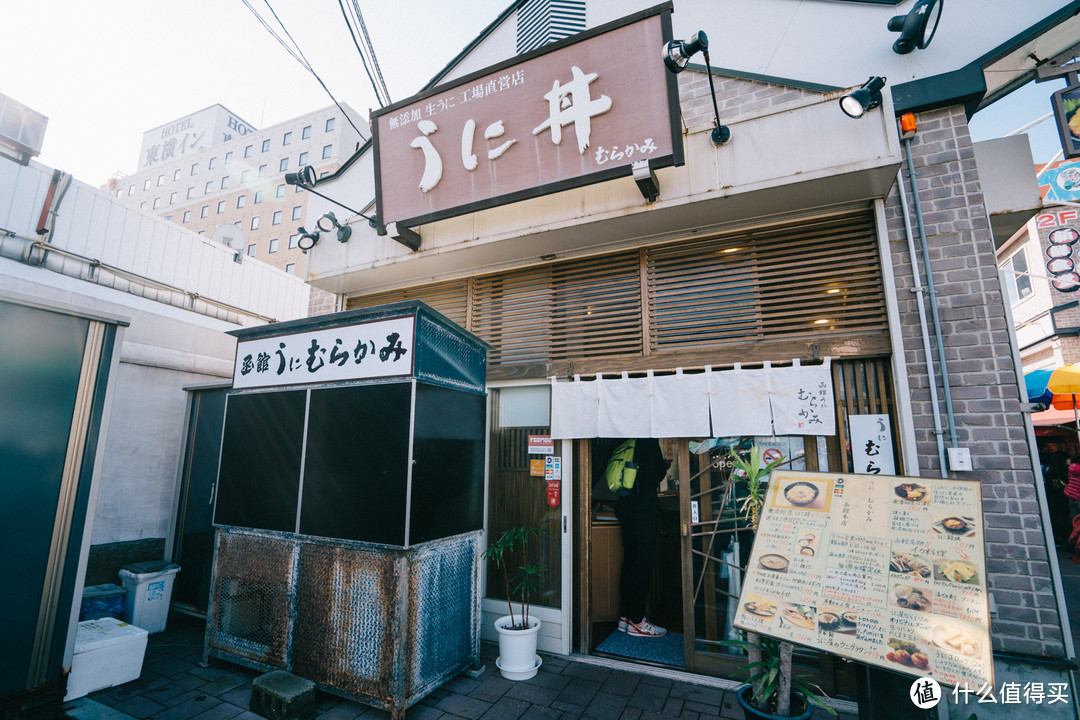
280	695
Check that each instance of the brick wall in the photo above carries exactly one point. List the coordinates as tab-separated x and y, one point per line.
733	96
322	302
986	401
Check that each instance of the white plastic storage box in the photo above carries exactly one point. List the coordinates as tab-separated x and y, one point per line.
108	652
149	592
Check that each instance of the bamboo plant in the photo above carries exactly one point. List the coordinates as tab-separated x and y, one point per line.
522	581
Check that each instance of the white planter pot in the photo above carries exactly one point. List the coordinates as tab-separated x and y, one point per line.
517	649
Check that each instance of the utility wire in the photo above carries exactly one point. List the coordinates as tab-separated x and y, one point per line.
382	100
298	55
371	51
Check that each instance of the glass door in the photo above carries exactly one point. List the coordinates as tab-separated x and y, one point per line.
529	481
716	543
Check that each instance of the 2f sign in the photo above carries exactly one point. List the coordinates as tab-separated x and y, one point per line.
1055	219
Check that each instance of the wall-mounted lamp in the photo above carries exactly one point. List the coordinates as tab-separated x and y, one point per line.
867	97
917	28
307	240
646	180
407	237
329	222
305	178
677	54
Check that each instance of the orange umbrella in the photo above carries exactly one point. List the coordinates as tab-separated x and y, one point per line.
1064	383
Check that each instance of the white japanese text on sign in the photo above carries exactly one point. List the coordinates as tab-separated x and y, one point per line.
352	352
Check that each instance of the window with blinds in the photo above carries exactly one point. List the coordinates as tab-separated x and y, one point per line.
800	280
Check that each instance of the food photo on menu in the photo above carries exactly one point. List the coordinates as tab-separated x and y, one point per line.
961	572
760	606
912	491
913	564
912	597
954	525
912	655
774	562
797	616
802	495
837	621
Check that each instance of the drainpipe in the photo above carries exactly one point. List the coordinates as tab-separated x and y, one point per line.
58	187
920	292
936	320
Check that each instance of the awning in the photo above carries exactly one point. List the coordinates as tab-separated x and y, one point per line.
1053	417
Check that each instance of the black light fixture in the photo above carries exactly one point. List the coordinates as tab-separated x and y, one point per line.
646	180
406	236
307	240
305	178
917	28
867	97
329	222
677	54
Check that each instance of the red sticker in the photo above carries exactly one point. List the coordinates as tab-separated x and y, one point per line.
553	493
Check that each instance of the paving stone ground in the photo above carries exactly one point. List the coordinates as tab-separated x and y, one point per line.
173	686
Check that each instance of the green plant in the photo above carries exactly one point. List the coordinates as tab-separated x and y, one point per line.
769	675
753	472
524	579
770	659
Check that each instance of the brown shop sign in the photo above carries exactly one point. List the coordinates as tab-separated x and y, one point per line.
573	113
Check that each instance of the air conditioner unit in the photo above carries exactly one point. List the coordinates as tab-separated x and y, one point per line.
22	130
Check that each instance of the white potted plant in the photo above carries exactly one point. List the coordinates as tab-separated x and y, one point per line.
517	632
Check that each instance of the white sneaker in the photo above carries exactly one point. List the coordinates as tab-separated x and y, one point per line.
644	629
623	622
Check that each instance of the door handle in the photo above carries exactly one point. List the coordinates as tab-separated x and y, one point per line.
686	529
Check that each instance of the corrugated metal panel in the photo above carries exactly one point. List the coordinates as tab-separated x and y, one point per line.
543	21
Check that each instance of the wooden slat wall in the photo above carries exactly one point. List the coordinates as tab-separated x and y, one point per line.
806	280
861	387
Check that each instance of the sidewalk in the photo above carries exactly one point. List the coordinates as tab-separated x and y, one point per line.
174	687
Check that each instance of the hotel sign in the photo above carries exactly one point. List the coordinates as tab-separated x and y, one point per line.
576	112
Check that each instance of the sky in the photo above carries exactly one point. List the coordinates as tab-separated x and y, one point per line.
105	72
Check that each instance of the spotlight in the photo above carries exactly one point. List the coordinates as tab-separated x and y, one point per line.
677	54
307	239
857	102
304	177
343	231
917	28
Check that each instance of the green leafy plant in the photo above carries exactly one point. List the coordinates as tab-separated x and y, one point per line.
769	675
770	659
753	470
524	579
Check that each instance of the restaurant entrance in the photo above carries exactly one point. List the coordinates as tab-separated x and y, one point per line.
704	541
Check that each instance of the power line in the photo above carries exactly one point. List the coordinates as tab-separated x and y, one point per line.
379	97
371	51
297	54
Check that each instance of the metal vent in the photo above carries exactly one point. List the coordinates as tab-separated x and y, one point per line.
543	21
21	129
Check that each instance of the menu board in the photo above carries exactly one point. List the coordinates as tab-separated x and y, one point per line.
880	569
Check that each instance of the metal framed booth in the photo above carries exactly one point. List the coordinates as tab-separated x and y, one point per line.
349	507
